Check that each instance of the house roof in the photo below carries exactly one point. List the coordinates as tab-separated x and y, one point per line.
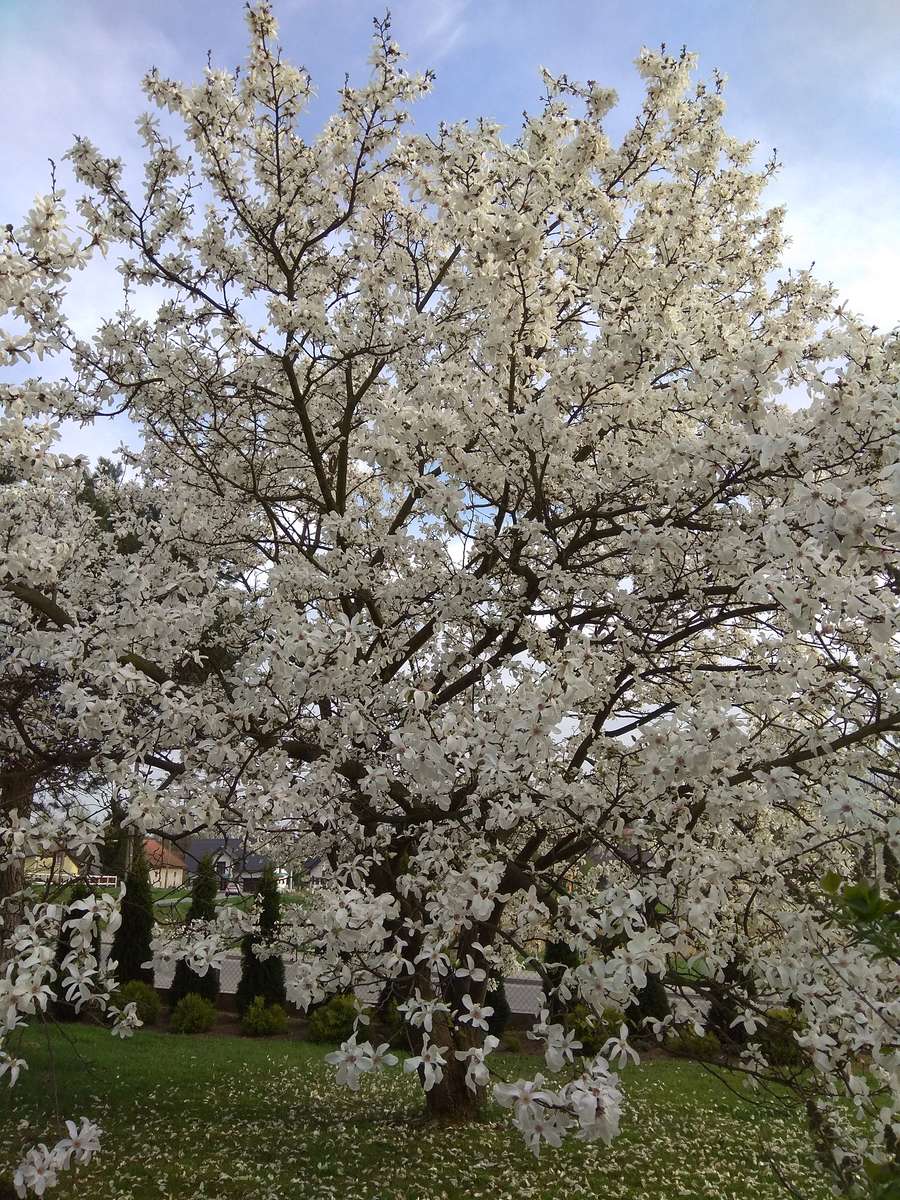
161	854
234	848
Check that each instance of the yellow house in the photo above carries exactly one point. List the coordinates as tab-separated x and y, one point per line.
166	863
51	868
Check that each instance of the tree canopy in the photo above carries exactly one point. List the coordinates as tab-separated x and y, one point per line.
510	530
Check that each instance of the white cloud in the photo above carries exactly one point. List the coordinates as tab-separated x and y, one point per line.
443	30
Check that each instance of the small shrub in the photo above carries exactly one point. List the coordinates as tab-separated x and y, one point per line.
591	1030
149	1005
263	1020
333	1020
686	1041
512	1042
776	1038
192	1014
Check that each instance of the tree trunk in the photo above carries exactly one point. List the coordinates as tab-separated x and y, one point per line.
451	1100
16	792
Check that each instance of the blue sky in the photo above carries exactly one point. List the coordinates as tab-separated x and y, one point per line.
817	78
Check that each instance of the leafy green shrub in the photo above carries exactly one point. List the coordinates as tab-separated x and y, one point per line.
145	997
776	1038
686	1041
512	1042
333	1020
592	1030
263	1020
496	999
192	1014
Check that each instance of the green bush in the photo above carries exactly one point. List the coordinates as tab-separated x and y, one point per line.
687	1042
192	1014
145	997
333	1020
263	1020
512	1042
776	1038
591	1030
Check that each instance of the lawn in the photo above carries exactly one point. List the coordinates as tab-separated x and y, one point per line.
225	1118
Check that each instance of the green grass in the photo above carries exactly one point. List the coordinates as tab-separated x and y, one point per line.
219	1118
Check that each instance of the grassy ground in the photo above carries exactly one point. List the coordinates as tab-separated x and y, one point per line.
220	1118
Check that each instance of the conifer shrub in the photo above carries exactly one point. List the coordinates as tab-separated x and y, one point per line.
61	1009
392	1027
558	956
652	1003
263	976
131	943
776	1038
192	1014
204	888
263	1020
687	1043
591	1030
496	999
333	1020
149	1005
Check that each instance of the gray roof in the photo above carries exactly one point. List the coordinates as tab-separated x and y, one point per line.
246	861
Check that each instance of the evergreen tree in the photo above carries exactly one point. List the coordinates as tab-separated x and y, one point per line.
61	1008
263	977
131	944
496	999
561	955
652	1001
204	888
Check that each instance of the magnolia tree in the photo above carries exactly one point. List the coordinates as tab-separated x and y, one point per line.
511	531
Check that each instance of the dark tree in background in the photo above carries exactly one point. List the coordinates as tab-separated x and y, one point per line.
61	1009
131	944
204	888
263	977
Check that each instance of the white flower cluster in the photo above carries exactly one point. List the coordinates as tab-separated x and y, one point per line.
589	1107
31	978
40	1167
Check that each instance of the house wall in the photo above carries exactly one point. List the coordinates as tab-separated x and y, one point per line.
166	877
55	866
